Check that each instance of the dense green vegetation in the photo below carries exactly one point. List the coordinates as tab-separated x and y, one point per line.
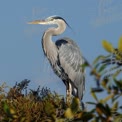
21	104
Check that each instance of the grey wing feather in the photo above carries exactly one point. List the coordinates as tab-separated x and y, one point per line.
71	60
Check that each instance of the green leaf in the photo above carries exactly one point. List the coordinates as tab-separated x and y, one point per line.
49	108
94	95
120	44
116	73
103	109
115	98
6	108
107	46
100	109
118	118
98	58
69	114
102	68
97	89
92	103
104	82
107	98
86	116
118	83
108	110
75	104
114	107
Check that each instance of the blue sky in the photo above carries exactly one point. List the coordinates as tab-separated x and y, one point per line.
21	55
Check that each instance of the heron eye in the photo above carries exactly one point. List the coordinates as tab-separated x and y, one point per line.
50	19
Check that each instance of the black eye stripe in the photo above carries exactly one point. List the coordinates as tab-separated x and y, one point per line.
57	17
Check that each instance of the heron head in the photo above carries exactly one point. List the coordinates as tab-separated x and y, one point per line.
48	21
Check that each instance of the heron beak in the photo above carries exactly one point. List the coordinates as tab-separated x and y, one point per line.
43	22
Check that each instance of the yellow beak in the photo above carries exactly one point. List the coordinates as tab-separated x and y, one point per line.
43	22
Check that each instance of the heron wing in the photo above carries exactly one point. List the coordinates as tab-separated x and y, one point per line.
70	59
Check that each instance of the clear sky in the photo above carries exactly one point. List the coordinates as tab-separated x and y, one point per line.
21	55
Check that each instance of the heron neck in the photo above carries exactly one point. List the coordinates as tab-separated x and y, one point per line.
47	43
54	31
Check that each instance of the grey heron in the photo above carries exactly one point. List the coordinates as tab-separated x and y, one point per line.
64	56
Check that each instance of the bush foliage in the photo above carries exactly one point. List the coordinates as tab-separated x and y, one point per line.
21	104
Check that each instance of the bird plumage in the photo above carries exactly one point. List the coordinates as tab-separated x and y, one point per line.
70	59
64	56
